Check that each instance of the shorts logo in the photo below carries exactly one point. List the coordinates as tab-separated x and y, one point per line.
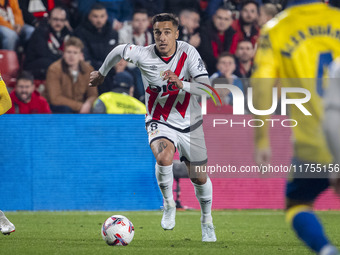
154	133
153	129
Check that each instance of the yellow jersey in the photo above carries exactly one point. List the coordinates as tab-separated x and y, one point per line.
5	100
299	43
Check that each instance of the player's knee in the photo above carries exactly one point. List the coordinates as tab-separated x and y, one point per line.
164	159
293	208
199	180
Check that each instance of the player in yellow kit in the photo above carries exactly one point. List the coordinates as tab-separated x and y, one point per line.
5	100
6	227
299	43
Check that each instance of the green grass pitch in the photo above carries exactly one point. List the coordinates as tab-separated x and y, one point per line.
238	232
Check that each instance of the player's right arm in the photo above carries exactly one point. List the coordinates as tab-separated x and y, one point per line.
129	52
97	77
5	100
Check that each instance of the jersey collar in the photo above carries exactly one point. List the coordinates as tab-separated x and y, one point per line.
159	55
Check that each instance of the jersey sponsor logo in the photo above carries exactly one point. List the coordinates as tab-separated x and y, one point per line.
171	93
153	67
164	88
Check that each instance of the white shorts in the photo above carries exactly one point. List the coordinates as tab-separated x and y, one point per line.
190	145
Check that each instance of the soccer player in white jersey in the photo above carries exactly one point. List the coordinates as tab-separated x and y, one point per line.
173	118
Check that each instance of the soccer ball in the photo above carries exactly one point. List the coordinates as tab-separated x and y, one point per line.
118	230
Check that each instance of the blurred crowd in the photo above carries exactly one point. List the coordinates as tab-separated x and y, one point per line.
57	43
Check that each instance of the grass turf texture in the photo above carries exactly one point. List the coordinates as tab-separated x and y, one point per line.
238	232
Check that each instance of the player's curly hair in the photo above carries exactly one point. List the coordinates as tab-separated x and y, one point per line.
165	17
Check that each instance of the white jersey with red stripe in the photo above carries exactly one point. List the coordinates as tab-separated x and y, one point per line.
165	102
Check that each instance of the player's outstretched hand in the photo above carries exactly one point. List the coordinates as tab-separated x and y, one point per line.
96	78
171	77
263	156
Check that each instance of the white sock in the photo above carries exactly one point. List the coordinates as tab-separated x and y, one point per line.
165	179
204	197
328	250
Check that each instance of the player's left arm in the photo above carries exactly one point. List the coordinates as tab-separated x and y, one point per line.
331	123
262	80
5	100
198	86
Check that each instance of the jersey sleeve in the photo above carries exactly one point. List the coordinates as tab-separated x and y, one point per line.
133	53
196	64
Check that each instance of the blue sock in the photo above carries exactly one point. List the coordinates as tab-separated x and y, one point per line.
309	229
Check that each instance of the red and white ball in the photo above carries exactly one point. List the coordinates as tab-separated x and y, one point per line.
118	230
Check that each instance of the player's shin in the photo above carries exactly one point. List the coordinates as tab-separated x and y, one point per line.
165	181
307	227
204	197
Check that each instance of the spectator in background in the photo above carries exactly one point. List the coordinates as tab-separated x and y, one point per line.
35	10
25	98
267	12
12	26
99	39
67	81
335	3
244	53
246	26
118	10
233	5
176	6
136	33
216	38
226	66
120	100
213	5
189	22
72	11
153	7
47	44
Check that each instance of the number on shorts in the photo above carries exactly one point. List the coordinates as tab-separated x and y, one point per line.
153	126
